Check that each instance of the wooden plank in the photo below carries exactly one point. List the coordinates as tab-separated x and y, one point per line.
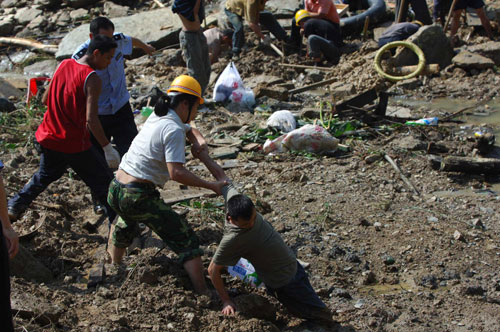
179	195
312	86
359	100
468	165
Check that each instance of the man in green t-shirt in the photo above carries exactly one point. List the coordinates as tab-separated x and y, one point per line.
247	234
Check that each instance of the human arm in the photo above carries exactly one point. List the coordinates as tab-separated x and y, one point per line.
179	173
12	240
196	11
258	31
93	90
212	166
46	94
195	137
145	47
214	271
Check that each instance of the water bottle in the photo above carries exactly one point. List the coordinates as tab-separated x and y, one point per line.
245	271
423	122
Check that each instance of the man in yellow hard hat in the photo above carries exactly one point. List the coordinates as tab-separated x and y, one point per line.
156	155
323	37
324	10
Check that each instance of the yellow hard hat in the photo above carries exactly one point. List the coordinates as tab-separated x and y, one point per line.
186	84
301	14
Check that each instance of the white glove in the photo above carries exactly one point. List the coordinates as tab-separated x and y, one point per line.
112	156
267	40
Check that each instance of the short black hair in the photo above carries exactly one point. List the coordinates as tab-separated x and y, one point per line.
102	43
240	206
227	33
99	23
166	102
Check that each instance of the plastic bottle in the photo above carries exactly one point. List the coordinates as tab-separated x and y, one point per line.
423	122
245	271
142	115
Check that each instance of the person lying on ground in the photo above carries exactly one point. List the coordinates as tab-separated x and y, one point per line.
192	40
323	37
64	134
115	112
399	31
247	234
318	10
217	41
9	245
462	5
253	12
157	154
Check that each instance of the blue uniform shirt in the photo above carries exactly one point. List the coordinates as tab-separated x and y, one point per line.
1	165
114	93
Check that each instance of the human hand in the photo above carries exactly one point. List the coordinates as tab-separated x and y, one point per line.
112	156
228	308
149	49
12	240
219	184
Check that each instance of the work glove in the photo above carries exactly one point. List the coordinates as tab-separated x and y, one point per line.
112	156
267	40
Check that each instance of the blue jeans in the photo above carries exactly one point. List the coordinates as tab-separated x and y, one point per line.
90	166
319	45
298	296
266	19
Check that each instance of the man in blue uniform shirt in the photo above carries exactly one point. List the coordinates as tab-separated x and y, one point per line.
115	112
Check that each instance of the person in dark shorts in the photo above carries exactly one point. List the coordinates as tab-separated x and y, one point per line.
462	5
247	234
156	155
9	245
399	31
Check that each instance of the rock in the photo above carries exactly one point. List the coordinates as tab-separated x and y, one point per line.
79	3
458	236
113	10
255	306
6	105
26	266
473	290
144	26
342	90
433	42
63	19
275	92
7	89
410	143
377	225
38	23
78	14
368	278
33	307
26	15
364	222
47	3
432	219
429	281
489	49
147	277
42	68
225	153
6	26
477	223
388	260
338	292
315	75
409	84
468	61
283	8
9	3
359	304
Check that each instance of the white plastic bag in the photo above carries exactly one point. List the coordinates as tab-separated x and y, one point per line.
227	82
282	120
309	138
245	271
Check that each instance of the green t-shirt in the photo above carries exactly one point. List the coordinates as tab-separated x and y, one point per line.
273	260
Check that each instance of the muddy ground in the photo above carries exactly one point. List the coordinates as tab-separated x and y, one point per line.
381	256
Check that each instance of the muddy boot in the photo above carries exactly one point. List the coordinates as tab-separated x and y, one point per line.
98	205
15	211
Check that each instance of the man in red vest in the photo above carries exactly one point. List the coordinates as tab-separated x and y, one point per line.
64	136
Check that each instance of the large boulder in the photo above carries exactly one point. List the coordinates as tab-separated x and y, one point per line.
282	8
41	68
489	49
158	27
26	15
468	60
433	42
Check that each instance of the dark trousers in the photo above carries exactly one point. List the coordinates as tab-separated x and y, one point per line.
90	166
298	296
5	309
266	19
319	45
120	127
420	8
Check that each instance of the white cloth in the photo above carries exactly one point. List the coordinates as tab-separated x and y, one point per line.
161	140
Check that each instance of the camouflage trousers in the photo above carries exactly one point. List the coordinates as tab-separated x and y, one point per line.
141	203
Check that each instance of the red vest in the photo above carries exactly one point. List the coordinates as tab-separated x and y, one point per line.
64	126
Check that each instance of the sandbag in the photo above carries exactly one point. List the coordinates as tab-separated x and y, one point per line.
309	138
